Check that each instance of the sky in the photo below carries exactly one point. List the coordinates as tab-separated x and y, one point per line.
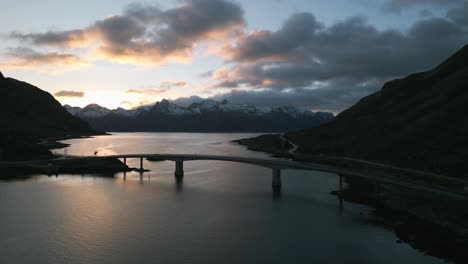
323	55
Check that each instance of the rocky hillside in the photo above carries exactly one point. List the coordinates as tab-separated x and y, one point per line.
420	121
204	116
28	114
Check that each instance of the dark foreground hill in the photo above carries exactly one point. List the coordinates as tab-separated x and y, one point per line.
28	114
420	121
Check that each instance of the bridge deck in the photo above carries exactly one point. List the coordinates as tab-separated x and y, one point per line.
293	165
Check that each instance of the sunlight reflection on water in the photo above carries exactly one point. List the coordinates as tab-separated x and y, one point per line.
222	213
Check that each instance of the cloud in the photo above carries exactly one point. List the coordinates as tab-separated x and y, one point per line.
304	51
169	84
135	104
396	6
186	101
145	34
459	15
283	43
332	66
69	94
333	96
29	59
72	38
151	92
159	89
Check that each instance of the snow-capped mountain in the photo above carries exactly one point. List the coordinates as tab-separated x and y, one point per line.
89	111
97	111
206	115
169	108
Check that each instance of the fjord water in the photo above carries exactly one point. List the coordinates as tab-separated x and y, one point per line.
222	213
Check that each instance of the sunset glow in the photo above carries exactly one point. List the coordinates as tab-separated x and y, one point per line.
227	49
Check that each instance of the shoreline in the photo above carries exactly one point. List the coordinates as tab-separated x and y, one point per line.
52	164
53	142
405	211
89	165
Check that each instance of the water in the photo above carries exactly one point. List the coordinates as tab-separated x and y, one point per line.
223	213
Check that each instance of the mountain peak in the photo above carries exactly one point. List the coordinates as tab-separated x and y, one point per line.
2	78
92	110
164	102
166	106
94	106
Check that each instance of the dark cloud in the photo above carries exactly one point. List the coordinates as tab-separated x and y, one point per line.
147	34
284	43
29	58
396	6
53	38
310	60
350	48
70	94
333	96
459	14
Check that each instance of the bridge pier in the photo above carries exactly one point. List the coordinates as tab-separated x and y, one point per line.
276	180
179	170
141	165
125	161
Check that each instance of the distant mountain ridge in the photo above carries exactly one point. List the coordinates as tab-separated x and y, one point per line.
205	116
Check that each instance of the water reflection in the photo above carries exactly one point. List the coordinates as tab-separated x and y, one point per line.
227	213
179	186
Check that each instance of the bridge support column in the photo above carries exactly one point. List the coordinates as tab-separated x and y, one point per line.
276	180
141	165
125	161
179	170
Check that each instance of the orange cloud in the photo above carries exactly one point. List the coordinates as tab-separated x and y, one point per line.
145	34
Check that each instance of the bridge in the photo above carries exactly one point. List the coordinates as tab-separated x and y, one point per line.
454	187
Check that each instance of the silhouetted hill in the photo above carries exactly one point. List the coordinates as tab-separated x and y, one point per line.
28	114
419	122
